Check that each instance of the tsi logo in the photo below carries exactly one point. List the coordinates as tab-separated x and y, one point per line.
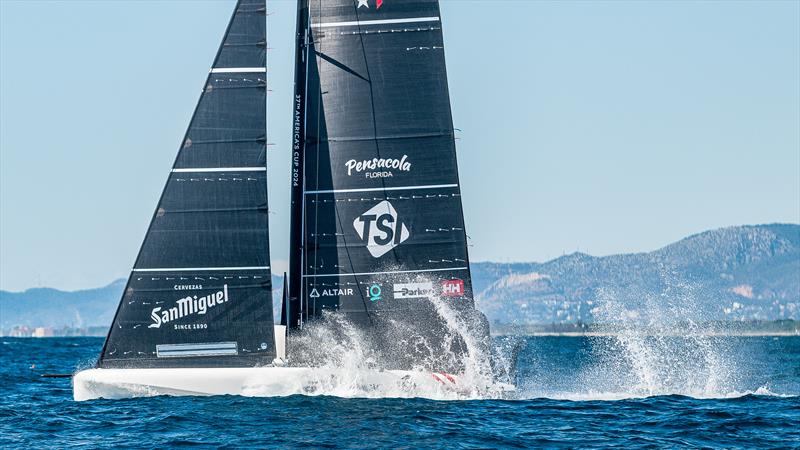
381	229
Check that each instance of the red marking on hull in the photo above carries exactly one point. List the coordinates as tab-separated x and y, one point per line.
449	377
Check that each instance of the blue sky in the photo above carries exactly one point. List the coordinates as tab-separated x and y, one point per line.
604	127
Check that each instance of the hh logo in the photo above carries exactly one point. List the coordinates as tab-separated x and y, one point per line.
381	229
453	288
378	3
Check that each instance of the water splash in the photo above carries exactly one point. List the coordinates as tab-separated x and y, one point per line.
650	345
479	375
348	356
662	350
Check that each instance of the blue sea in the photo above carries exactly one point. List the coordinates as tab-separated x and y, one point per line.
640	392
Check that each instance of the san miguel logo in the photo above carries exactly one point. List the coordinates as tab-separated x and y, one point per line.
381	229
378	167
188	306
365	3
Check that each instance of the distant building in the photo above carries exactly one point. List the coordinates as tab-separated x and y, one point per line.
22	331
40	332
43	332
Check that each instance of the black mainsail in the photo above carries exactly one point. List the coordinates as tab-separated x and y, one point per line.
377	222
199	294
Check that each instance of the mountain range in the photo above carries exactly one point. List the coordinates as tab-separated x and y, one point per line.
735	273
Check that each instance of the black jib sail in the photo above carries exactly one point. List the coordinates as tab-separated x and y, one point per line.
377	223
199	294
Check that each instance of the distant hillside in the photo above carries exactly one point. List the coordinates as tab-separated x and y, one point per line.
53	308
736	273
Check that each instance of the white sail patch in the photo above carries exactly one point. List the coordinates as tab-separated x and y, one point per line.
381	229
188	306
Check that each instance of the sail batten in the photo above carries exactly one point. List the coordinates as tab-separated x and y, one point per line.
219	169
362	23
392	188
239	70
197	269
386	272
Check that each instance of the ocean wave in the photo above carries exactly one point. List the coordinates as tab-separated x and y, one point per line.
617	396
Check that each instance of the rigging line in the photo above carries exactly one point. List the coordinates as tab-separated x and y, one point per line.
372	103
317	175
377	151
313	47
339	65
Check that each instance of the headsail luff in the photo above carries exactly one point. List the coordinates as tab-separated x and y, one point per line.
199	294
380	212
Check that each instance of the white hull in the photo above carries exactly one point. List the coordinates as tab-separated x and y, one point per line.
264	382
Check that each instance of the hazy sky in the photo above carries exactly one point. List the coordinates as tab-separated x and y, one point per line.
604	127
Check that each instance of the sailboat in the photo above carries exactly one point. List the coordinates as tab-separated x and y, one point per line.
377	241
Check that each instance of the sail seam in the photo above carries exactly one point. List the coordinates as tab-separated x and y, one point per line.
342	274
184	269
396	188
220	169
374	22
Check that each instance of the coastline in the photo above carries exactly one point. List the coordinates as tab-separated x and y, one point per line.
675	334
776	328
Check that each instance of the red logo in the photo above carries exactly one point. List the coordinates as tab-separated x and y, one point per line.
453	288
365	3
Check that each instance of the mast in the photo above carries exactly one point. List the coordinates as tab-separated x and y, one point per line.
199	293
296	232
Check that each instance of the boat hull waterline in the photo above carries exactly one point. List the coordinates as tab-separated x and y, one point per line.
264	382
